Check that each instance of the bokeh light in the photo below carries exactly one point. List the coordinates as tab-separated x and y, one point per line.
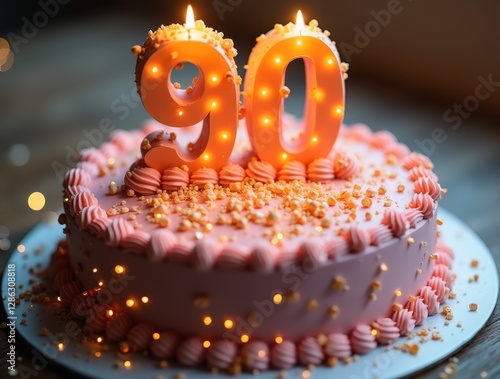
19	154
6	56
36	201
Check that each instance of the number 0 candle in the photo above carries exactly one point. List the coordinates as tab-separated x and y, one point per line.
265	91
213	99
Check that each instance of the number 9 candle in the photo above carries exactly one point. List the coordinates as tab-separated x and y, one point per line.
264	92
213	100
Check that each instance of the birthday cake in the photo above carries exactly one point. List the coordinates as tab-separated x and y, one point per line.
265	254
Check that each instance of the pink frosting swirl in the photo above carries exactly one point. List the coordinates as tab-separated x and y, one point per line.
398	150
81	201
123	140
69	291
233	256
312	253
418	308
255	356
287	258
430	299
320	170
309	351
261	171
382	139
143	180
81	305
283	355
117	231
136	242
62	277
174	179
76	177
362	339
396	221
99	226
404	321
413	216
421	172
444	259
161	241
109	149
424	203
443	248
204	255
231	173
96	317
428	185
387	331
443	272
118	326
263	258
74	190
336	247
205	175
93	155
345	165
338	346
164	347
140	336
439	287
221	354
180	252
379	234
417	159
90	167
293	170
358	238
191	352
89	214
359	132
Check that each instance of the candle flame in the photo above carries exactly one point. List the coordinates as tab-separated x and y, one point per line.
299	23
189	17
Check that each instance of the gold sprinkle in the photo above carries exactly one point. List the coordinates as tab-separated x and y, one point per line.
383	267
201	301
436	336
312	304
292	296
376	285
474	263
472	307
339	283
334	311
434	256
410	241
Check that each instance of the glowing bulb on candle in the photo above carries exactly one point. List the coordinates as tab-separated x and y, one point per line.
190	17
299	21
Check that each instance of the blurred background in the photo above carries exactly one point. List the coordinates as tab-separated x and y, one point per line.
429	71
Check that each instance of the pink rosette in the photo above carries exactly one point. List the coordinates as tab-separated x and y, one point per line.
117	231
418	308
109	150
231	173
74	190
396	221
93	155
255	356
283	355
413	216
136	242
336	247
312	254
204	255
293	170
174	179
382	139
77	177
359	132
263	258
338	346
439	287
286	258
90	214
443	248
444	273
140	336
398	150
233	256
309	352
162	240
81	201
164	347
417	159
260	171
81	305
99	226
362	339
143	180
221	354
180	252
69	291
191	352
421	172
424	203
404	321
320	170
357	238
379	234
444	259
96	317
387	331
428	185
345	165
62	277
57	265
205	175
90	167
118	326
123	140
429	298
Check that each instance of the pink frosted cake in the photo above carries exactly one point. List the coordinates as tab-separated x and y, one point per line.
253	266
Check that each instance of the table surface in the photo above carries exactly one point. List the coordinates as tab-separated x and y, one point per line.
54	92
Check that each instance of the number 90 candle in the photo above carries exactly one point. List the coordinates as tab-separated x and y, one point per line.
213	99
265	90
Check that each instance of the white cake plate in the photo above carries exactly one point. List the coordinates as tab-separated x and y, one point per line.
380	363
